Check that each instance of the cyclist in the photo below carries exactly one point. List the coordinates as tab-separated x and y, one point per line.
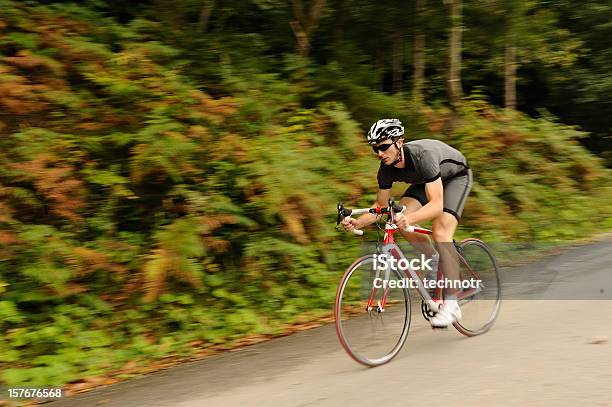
441	180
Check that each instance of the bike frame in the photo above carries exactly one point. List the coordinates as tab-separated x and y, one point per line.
391	248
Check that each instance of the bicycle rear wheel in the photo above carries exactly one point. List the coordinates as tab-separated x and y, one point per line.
479	306
371	335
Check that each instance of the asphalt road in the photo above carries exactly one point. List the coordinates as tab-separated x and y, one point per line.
546	348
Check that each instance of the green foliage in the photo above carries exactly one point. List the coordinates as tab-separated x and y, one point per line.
161	187
533	180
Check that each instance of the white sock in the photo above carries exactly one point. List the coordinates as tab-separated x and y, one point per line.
451	300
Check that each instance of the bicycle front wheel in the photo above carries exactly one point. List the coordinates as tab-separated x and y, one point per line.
372	321
479	305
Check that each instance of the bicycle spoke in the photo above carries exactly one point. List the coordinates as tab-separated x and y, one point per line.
375	338
479	306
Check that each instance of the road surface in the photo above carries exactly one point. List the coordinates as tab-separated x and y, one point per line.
544	349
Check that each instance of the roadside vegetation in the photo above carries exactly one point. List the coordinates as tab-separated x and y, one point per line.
169	175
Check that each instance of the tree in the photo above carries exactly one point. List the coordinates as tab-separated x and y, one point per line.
397	64
516	12
419	54
510	56
454	52
305	24
205	13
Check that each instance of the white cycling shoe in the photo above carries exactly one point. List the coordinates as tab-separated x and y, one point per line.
448	314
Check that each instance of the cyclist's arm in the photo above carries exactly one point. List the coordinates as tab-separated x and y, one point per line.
382	200
435	205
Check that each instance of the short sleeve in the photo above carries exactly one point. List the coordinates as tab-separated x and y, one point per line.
428	166
385	179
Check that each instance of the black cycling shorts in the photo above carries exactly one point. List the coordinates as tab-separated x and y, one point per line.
456	191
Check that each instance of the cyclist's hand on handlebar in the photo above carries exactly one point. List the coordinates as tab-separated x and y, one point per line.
402	220
350	224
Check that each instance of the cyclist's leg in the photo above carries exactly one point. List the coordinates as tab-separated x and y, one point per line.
456	191
421	242
443	228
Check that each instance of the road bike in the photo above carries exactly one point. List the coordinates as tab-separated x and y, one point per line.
373	302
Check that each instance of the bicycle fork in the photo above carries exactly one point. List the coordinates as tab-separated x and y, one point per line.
380	306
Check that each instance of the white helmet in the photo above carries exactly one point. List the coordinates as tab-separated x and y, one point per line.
385	129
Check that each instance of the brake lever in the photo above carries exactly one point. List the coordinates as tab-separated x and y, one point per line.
345	213
340	211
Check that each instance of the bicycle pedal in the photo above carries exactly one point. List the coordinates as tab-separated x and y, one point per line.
439	328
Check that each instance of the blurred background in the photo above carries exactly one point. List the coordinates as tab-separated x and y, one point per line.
169	170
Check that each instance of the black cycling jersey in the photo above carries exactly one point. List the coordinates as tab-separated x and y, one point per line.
426	161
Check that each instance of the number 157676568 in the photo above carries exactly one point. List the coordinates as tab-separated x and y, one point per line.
35	392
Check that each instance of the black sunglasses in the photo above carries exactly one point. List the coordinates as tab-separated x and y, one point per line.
382	147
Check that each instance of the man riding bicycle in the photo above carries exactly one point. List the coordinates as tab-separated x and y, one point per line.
440	180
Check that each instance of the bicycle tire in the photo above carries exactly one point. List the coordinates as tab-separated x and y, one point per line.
346	340
477	259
